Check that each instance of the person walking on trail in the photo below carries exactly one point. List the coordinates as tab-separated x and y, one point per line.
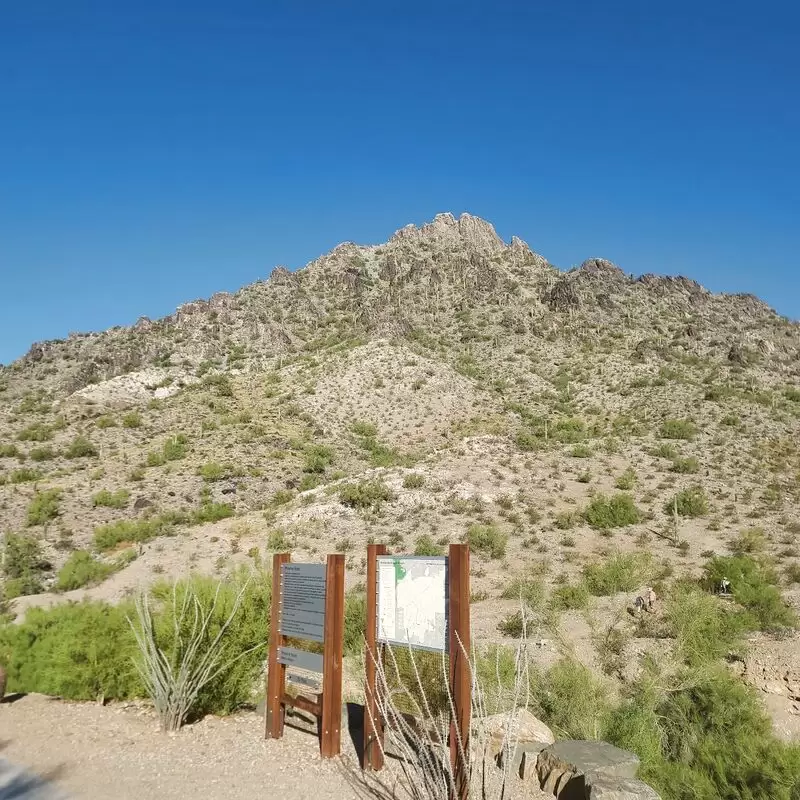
638	604
725	586
650	598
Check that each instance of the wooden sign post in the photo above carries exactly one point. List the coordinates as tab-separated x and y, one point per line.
373	725
460	670
307	604
454	599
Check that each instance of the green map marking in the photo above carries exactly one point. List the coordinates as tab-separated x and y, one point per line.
399	570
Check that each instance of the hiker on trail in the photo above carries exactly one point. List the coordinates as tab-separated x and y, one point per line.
638	604
650	597
725	586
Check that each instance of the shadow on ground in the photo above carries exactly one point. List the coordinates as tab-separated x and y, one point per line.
17	783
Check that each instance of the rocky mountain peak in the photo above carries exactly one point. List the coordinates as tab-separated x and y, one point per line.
600	266
447	232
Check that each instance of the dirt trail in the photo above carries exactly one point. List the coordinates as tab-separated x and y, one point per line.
118	752
94	752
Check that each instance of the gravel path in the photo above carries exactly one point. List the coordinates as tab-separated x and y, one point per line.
118	752
85	750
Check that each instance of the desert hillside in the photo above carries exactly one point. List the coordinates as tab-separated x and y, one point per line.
443	386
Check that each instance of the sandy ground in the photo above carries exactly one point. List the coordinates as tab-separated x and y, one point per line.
118	752
89	751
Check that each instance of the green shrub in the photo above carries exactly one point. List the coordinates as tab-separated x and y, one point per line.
105	422
44	507
247	634
80	447
425	546
212	512
573	702
23	564
614	512
220	383
487	540
414	480
570	597
755	587
355	622
621	572
155	458
175	447
705	629
416	677
526	440
107	537
569	431
516	625
24	475
565	520
365	494
9	451
665	450
278	541
38	432
627	480
107	499
78	651
685	466
711	741
281	497
317	459
309	481
365	429
527	589
582	451
81	569
678	429
382	455
749	541
45	453
211	472
82	651
132	420
690	502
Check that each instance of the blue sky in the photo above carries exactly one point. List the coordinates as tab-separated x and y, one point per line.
155	152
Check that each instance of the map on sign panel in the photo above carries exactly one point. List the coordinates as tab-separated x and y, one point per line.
412	601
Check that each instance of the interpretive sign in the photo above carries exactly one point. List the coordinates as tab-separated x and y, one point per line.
412	601
302	606
308	604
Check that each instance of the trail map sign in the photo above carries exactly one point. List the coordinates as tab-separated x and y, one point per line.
421	602
307	605
412	601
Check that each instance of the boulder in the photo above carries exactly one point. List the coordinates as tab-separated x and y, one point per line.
519	737
562	767
521	727
600	788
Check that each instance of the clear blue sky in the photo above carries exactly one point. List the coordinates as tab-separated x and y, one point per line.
155	152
